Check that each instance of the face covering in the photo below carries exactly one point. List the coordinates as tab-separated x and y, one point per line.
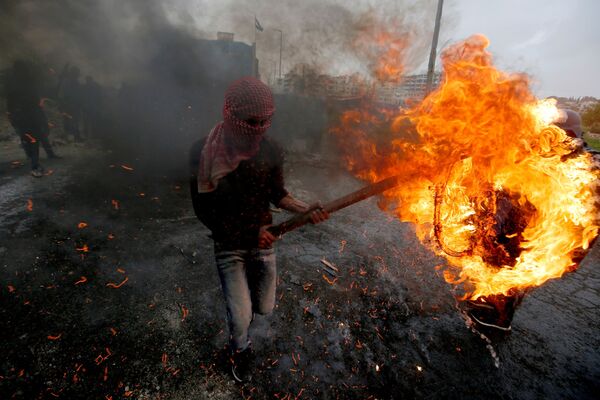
247	115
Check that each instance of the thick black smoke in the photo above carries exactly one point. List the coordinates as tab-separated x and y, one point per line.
164	84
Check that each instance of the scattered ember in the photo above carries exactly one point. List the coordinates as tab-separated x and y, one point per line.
113	331
184	312
29	205
115	286
331	282
83	249
164	359
83	279
121	270
126	167
115	204
342	246
82	225
111	236
50	337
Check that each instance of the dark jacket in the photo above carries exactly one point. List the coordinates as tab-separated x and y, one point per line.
239	206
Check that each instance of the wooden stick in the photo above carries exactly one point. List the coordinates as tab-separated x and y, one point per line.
368	191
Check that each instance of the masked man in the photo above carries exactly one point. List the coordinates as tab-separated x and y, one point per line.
236	172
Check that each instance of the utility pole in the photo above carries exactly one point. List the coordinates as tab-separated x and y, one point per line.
280	48
434	42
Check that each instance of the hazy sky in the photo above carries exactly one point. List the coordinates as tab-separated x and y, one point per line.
556	41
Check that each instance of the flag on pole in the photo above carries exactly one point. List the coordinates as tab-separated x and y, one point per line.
258	25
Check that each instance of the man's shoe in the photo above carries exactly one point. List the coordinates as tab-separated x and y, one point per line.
37	172
241	365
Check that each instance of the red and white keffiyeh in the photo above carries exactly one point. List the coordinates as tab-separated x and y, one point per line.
247	114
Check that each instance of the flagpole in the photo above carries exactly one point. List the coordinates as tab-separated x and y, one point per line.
254	49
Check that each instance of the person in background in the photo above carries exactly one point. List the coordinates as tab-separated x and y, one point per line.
235	173
570	122
71	105
92	105
24	105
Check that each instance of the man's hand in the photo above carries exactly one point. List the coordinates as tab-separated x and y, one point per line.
265	238
318	214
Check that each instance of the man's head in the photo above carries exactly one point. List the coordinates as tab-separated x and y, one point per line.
247	113
570	122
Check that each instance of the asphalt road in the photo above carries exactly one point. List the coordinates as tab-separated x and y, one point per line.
108	290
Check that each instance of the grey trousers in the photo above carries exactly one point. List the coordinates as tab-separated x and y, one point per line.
248	279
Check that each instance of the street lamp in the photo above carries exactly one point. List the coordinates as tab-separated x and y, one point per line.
280	48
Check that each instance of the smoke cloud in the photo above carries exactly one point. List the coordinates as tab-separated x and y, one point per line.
166	87
115	40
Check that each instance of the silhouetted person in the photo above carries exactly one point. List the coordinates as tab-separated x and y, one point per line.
71	105
92	105
25	112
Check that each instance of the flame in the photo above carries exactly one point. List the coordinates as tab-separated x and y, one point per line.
384	45
479	146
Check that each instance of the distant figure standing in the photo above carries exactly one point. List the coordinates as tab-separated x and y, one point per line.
71	105
25	112
92	104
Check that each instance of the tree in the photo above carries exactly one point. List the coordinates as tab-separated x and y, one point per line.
591	119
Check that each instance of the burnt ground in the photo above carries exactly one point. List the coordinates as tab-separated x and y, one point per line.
140	314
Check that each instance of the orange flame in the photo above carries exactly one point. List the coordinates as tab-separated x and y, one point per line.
384	45
480	144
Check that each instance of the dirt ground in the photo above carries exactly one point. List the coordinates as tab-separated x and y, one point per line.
130	306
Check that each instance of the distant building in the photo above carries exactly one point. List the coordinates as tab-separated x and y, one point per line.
225	36
414	87
306	81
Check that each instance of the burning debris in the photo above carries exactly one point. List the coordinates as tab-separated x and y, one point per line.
505	196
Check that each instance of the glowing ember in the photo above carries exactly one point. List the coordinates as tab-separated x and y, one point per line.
81	225
81	280
184	312
116	286
506	197
29	205
54	337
